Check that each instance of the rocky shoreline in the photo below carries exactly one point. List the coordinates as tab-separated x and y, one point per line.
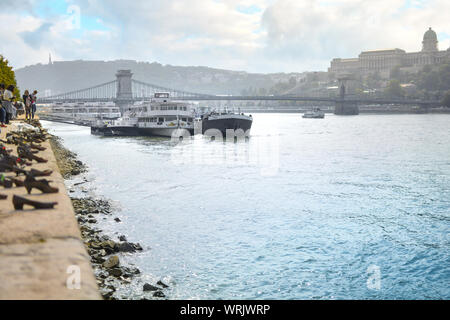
67	161
103	250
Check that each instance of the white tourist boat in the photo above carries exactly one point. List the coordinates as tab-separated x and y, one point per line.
82	112
315	113
158	117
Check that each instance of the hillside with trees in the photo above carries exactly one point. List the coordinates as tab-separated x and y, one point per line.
65	76
431	82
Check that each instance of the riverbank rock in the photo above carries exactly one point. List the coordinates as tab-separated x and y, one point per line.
109	246
126	247
100	247
112	262
162	284
149	287
67	161
97	259
159	294
130	272
116	272
90	206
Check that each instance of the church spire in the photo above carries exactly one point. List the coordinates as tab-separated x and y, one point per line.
50	59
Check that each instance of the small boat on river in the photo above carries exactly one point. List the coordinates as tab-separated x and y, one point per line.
315	113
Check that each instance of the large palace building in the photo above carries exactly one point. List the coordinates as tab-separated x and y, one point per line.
383	61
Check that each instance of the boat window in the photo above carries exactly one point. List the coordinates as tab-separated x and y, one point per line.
160	119
161	95
171	118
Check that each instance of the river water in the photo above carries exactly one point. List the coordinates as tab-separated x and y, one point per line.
342	208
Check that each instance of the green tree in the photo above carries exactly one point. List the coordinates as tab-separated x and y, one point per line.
262	91
427	68
446	100
394	90
396	73
315	77
429	81
373	80
292	82
7	75
444	76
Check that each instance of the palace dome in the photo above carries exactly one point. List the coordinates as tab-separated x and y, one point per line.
430	41
430	35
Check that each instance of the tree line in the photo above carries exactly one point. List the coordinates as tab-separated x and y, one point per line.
430	83
7	75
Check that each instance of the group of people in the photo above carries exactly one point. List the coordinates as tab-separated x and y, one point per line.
10	108
30	104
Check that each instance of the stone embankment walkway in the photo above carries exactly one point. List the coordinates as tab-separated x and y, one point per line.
42	255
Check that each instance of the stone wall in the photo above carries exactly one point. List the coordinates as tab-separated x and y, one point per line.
42	255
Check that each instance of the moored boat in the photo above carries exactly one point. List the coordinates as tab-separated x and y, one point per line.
315	113
158	117
224	121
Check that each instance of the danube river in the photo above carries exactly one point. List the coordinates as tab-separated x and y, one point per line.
341	208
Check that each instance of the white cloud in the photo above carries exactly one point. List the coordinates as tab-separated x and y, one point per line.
285	35
311	30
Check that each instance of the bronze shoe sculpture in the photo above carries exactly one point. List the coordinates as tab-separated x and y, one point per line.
5	182
5	167
38	173
19	202
43	185
27	154
4	151
13	160
37	147
18	182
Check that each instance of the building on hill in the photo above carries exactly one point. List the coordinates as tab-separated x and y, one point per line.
383	61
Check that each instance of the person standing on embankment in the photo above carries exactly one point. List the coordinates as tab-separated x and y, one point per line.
8	98
27	101
33	103
2	107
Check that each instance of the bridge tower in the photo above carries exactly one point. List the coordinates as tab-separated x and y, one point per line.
124	89
343	106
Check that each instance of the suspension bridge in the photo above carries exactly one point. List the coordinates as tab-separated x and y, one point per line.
125	90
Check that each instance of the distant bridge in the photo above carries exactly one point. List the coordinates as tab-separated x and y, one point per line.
125	90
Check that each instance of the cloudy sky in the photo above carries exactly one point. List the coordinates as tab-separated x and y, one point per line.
250	35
